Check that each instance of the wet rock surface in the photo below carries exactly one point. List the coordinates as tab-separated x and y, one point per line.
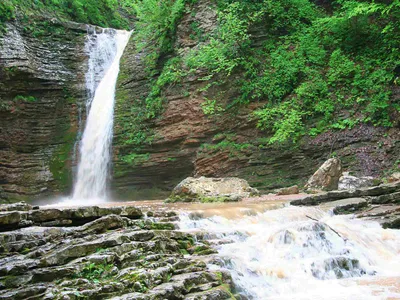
115	253
204	189
327	176
379	203
348	182
42	75
292	190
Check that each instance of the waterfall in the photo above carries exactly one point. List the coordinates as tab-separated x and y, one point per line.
105	50
283	254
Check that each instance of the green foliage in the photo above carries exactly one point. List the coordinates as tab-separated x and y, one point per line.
95	272
229	144
284	119
103	13
210	107
25	98
58	161
156	27
134	158
170	74
312	67
6	11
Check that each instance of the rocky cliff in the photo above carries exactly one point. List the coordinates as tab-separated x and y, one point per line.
42	67
183	141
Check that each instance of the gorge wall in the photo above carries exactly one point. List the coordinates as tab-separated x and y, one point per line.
42	71
154	154
42	74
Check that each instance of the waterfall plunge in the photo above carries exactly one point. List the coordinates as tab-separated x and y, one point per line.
105	50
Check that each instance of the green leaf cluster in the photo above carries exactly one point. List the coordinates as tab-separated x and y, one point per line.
156	26
315	68
105	13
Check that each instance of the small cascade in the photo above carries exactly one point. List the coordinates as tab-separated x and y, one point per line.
105	49
302	253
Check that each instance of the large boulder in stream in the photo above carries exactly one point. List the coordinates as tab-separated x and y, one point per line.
327	176
205	189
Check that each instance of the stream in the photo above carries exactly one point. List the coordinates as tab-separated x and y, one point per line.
281	253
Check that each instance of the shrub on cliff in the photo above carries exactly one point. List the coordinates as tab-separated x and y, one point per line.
315	68
105	13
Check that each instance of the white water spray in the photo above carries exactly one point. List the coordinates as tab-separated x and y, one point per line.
283	254
105	51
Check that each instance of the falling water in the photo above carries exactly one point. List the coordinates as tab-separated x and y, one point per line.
105	50
283	254
101	49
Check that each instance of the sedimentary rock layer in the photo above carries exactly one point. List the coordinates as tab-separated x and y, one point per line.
183	141
42	67
116	252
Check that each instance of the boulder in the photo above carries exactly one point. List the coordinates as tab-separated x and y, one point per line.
348	182
327	176
211	190
287	191
394	177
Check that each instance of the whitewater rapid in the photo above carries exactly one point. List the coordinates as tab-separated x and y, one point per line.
284	254
105	50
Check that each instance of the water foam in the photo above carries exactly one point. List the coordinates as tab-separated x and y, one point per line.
105	51
283	254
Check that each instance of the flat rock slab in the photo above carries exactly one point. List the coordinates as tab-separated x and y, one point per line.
120	255
67	216
387	215
338	195
386	199
344	206
380	211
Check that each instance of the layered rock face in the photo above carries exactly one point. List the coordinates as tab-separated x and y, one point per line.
42	68
182	141
103	253
378	203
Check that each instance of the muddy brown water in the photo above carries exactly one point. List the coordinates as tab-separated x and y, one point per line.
385	288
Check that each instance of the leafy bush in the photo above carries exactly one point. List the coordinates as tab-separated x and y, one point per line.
313	65
156	25
103	13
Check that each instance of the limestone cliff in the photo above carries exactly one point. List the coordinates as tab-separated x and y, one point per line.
42	69
183	141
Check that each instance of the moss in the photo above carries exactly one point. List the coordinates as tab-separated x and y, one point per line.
202	250
135	158
162	226
186	243
184	251
219	277
25	251
228	289
58	163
